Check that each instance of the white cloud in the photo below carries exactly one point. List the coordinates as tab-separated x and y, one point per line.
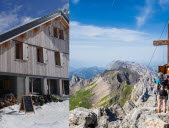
26	19
75	1
145	13
66	6
164	3
86	46
9	19
94	33
96	45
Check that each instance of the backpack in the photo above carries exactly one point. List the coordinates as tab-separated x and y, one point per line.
164	85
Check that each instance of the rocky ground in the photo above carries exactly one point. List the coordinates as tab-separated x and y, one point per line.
129	116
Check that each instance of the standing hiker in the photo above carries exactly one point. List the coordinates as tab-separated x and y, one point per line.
162	87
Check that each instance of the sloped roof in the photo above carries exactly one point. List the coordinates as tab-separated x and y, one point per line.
16	31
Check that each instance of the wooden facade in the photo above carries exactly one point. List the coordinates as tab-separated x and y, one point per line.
45	38
29	65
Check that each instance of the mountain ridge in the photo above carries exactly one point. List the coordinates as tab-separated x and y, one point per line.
120	74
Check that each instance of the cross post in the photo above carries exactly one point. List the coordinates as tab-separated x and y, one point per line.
164	69
163	42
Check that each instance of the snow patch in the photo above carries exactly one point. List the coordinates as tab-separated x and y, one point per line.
50	115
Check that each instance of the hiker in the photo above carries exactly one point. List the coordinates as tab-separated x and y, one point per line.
162	87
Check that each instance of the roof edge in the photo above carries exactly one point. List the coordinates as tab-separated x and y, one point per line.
28	25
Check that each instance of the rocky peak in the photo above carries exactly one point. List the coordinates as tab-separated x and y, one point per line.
122	75
140	68
75	79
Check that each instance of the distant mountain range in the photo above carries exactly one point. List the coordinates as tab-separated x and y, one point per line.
120	82
86	73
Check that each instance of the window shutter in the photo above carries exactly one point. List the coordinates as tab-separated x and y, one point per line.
25	52
51	30
45	55
62	59
64	34
55	32
58	33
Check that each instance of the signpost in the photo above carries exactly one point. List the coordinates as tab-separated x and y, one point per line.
26	104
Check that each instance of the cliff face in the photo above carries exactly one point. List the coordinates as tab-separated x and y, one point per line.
122	81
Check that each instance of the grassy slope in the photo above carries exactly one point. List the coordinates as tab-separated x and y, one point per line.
119	95
124	96
82	97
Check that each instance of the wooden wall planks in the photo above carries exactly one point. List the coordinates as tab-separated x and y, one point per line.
31	66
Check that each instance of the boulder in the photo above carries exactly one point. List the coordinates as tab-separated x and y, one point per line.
104	116
96	117
129	105
155	122
118	110
164	117
82	117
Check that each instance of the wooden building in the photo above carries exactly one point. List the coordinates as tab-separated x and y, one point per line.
34	57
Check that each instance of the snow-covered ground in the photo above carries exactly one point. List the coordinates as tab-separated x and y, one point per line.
50	115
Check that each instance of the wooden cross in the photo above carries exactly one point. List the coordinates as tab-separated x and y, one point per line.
163	42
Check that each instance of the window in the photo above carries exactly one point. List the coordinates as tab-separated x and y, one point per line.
65	87
4	84
61	35
57	58
1	85
55	32
39	55
35	86
19	50
53	86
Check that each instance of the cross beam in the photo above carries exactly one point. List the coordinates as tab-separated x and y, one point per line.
163	42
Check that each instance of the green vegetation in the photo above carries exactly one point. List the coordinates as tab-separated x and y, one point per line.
91	84
127	90
120	95
104	98
125	95
82	97
104	104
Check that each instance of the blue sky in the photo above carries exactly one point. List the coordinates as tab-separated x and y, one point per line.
100	31
17	12
103	31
